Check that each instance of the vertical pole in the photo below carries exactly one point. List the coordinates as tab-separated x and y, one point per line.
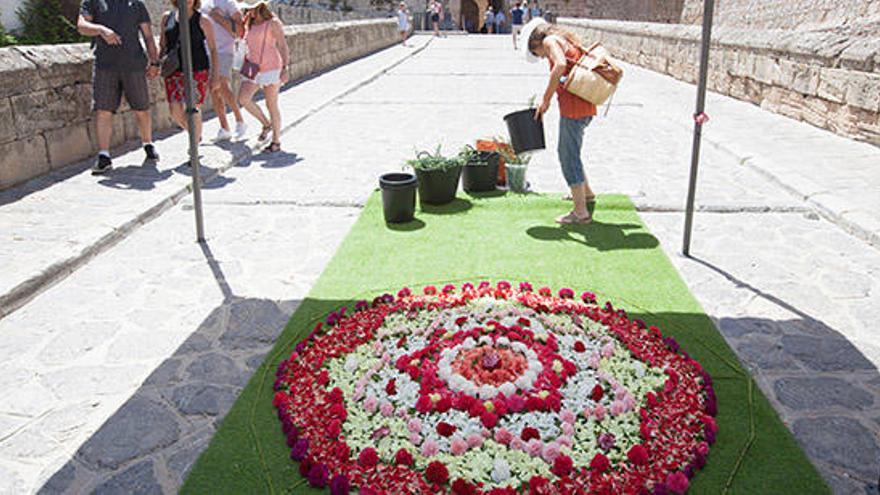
708	13
191	110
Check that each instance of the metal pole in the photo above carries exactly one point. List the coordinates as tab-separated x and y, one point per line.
708	12
191	110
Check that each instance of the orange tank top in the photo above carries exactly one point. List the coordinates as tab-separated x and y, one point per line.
261	47
571	106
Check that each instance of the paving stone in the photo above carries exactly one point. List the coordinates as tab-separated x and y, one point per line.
842	442
765	354
167	373
253	322
196	343
846	485
138	428
181	462
139	479
61	481
826	354
740	327
208	400
256	360
820	392
10	482
218	369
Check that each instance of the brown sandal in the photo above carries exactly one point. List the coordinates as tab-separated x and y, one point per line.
572	219
272	148
264	134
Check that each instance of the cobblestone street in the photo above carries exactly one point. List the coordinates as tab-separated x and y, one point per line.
128	342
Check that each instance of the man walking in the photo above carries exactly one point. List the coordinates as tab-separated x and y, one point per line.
225	17
500	19
490	20
516	20
121	67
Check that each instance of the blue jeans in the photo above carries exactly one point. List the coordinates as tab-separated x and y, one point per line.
571	139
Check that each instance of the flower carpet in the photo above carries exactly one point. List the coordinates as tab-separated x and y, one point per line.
468	384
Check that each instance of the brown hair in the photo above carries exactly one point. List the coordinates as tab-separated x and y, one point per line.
259	10
197	4
536	39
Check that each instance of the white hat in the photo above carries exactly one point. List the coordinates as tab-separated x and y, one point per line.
524	36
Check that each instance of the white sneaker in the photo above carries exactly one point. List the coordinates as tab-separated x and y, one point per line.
223	135
240	130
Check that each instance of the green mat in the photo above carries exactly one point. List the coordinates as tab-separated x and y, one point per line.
514	238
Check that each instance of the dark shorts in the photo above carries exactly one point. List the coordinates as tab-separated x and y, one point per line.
435	17
108	86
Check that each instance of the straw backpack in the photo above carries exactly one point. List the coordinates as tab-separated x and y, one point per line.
595	76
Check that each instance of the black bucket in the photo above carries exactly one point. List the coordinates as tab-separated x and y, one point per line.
398	197
438	187
481	177
526	133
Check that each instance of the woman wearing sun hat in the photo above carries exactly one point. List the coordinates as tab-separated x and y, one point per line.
563	49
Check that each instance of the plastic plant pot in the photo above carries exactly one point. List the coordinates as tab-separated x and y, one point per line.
398	197
438	187
481	175
526	133
516	178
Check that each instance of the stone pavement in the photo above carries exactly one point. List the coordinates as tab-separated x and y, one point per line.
114	379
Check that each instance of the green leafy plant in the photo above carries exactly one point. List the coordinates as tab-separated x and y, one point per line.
533	101
6	39
470	156
510	157
427	161
44	23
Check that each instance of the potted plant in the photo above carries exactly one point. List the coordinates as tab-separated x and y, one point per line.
516	171
480	173
526	132
437	175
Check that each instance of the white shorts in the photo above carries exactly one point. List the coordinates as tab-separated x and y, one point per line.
224	63
517	29
267	78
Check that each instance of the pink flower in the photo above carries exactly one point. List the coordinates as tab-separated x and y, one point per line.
565	440
567	429
503	436
370	404
567	417
430	448
387	409
414	425
599	412
458	446
550	452
534	448
608	350
516	403
415	438
617	408
474	440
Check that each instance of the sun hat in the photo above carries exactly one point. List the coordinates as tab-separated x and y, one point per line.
524	36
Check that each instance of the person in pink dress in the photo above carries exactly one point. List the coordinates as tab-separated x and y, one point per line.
267	48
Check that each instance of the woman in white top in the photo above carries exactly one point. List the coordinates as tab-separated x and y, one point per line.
436	11
403	22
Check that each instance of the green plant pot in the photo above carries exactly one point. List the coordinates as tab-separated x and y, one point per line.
481	177
516	178
438	187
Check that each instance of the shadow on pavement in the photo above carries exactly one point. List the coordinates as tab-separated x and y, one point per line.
135	177
280	159
598	235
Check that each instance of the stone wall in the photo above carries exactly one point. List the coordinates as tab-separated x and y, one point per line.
45	94
786	14
305	15
627	10
829	80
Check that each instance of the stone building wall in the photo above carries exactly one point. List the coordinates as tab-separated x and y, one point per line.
829	80
45	94
787	14
627	10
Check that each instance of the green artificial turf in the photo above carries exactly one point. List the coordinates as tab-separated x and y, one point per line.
514	238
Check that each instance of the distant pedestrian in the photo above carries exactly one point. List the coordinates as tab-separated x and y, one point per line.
563	49
225	17
490	20
121	67
500	19
403	22
267	48
516	21
436	11
534	10
204	73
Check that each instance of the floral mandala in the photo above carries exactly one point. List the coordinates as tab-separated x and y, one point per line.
493	390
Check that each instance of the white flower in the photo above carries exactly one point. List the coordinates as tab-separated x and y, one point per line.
488	392
507	388
351	363
500	470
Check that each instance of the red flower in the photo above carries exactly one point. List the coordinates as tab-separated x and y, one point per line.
545	291
579	346
335	395
529	433
651	398
477	409
279	398
437	473
538	484
368	458
534	403
424	404
343	451
600	463
566	293
597	393
461	320
391	387
462	487
323	378
443	405
677	483
305	466
562	466
430	290
489	420
638	455
403	458
338	411
445	429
